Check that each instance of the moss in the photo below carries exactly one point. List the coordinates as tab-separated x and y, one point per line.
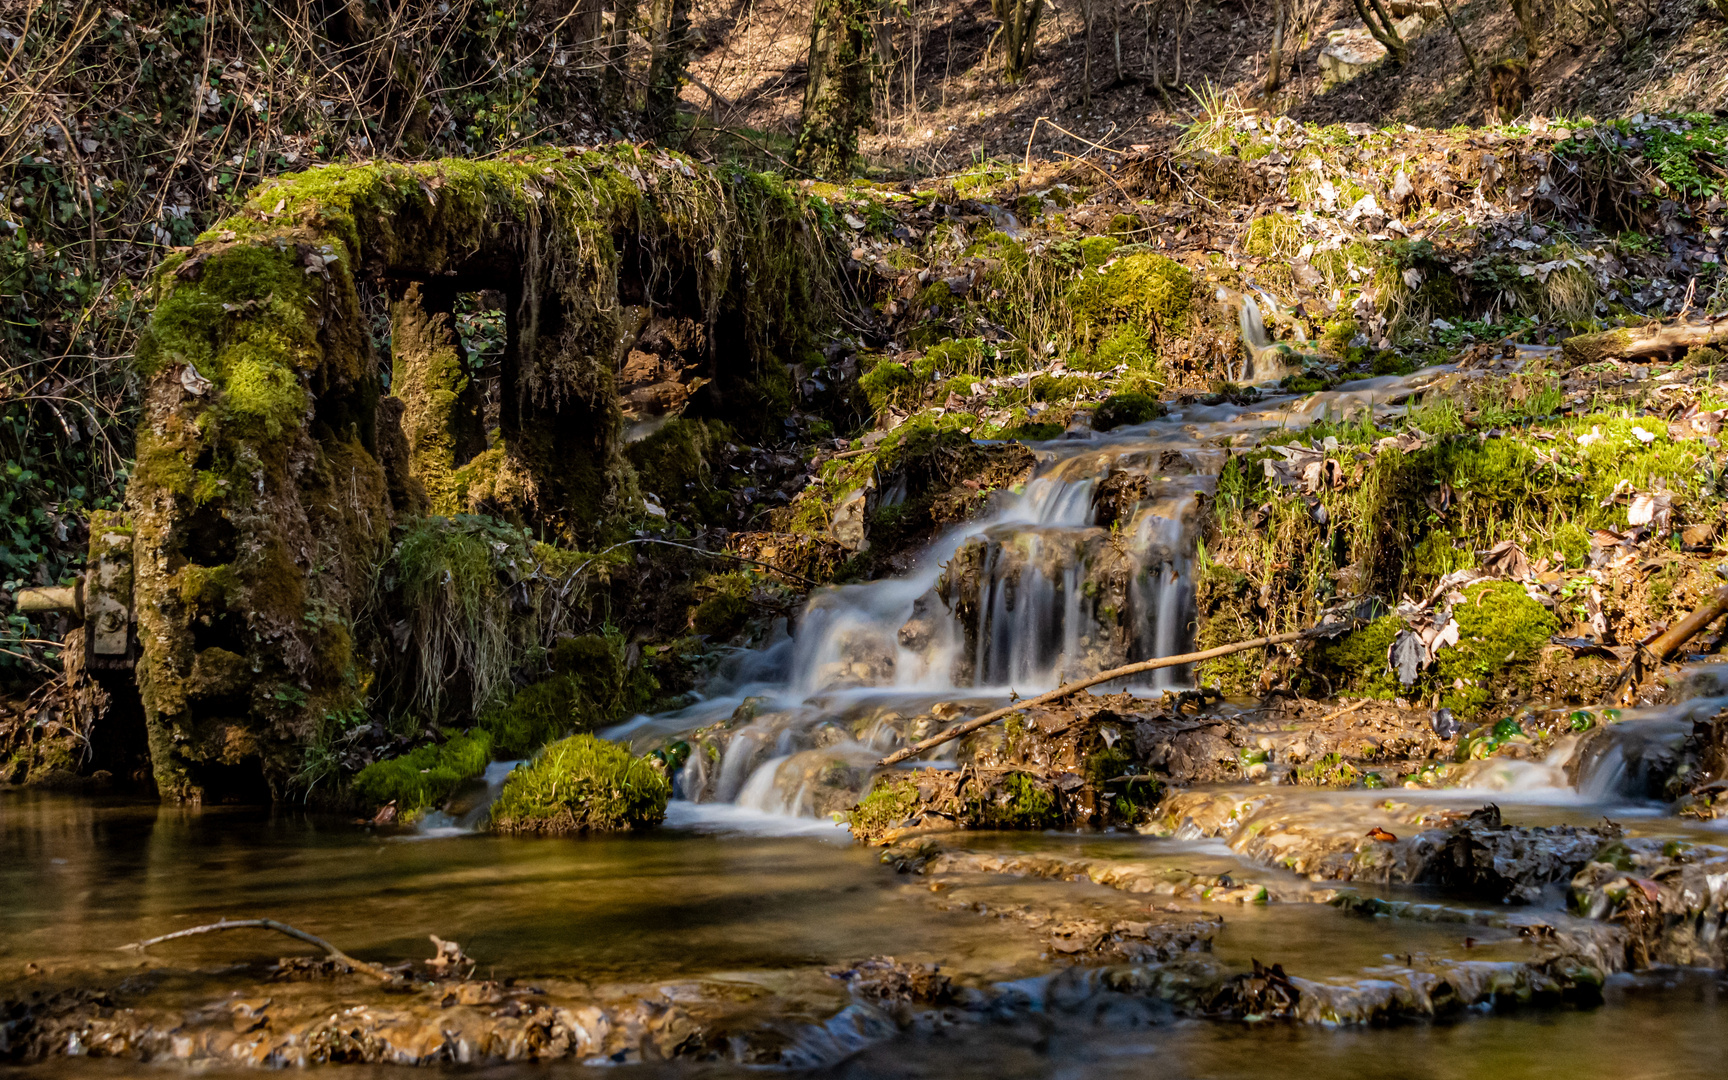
720	617
673	464
1016	801
1357	662
1272	236
1032	432
591	686
1127	800
1329	771
1337	335
1500	629
1118	410
1096	250
886	383
424	778
1144	288
582	784
1057	387
429	373
1387	362
1125	346
887	806
957	355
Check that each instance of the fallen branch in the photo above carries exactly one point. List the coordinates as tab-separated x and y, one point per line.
969	726
1643	343
1345	711
281	928
1669	641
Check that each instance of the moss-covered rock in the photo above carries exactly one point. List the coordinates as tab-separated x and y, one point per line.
1120	410
592	685
423	778
261	490
582	784
888	805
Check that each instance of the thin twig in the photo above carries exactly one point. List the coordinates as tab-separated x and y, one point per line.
281	928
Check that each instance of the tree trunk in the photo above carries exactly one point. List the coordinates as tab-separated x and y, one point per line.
1184	12
671	21
616	84
1644	343
1385	31
1469	56
1525	12
1116	37
1275	55
837	97
1019	33
1086	62
589	34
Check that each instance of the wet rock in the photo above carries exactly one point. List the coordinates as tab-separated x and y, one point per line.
1337	841
884	979
1483	857
1670	897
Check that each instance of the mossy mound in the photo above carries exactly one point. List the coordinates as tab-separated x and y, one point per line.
269	478
884	809
1121	410
1006	798
582	784
424	778
674	463
1146	288
1501	632
1272	236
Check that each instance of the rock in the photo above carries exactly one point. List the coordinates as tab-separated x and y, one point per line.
1483	857
1672	899
1330	841
1350	52
848	526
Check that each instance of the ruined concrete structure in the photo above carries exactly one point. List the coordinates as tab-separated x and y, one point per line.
273	461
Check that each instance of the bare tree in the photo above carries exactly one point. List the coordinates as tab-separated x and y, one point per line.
670	20
1525	12
1385	31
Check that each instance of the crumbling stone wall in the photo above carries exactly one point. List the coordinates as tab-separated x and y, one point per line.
272	467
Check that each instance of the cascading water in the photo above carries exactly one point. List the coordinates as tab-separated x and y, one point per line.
1088	567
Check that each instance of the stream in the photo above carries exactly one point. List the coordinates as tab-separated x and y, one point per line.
751	884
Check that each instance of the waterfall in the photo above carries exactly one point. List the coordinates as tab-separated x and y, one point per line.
1089	566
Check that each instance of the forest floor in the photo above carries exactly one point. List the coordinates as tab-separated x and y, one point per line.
945	104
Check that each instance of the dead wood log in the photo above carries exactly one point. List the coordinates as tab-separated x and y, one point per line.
969	726
334	953
1643	342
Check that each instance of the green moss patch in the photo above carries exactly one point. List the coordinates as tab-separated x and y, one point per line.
582	784
424	778
1146	289
887	807
591	686
1119	410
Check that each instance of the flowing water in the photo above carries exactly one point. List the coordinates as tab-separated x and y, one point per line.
751	885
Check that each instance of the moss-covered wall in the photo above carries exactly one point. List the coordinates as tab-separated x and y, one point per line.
261	500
